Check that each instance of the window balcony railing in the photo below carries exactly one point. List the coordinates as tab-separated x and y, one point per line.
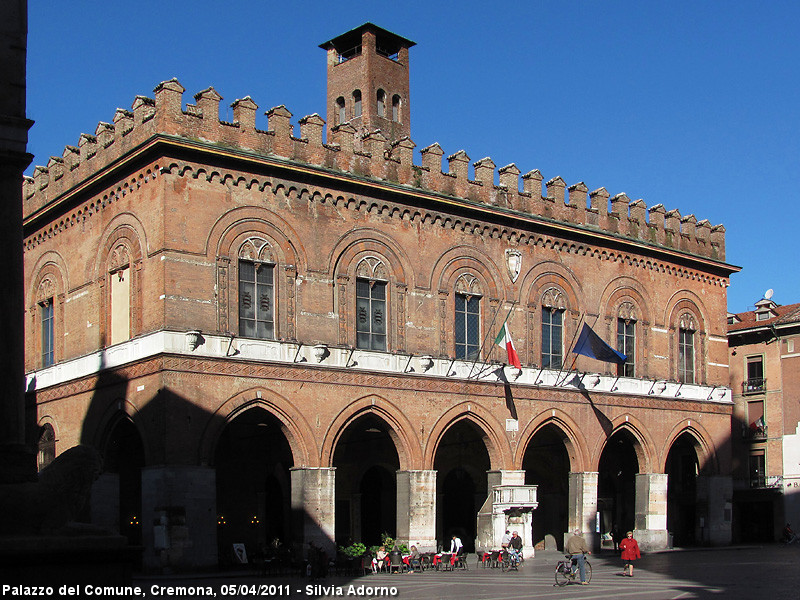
754	385
766	481
755	434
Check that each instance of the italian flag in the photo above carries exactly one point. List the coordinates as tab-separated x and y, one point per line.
504	340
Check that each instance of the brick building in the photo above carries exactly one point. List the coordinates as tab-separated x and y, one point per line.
271	335
765	381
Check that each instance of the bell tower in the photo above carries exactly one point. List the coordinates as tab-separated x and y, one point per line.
368	83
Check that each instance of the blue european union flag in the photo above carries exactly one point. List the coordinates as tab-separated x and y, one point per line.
592	345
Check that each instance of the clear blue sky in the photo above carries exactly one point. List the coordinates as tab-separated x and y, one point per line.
694	105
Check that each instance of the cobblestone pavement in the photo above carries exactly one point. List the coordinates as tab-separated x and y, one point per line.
770	572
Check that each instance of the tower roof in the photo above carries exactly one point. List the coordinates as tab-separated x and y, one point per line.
387	40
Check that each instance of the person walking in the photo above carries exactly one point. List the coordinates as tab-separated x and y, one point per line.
630	553
576	546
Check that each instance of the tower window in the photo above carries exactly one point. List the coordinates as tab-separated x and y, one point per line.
357	103
396	108
381	103
341	115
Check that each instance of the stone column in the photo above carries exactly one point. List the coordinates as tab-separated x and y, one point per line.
179	517
582	507
651	511
313	504
715	492
416	509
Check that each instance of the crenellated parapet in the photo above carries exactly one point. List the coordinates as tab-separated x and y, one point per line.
369	155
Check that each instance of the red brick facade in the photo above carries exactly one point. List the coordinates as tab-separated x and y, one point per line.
167	203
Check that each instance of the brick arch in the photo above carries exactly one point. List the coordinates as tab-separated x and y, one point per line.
643	443
461	259
500	453
50	280
401	430
344	260
684	302
236	224
575	443
449	272
703	445
538	277
123	243
357	243
113	414
298	432
621	288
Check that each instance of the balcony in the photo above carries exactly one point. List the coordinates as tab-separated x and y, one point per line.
754	386
755	434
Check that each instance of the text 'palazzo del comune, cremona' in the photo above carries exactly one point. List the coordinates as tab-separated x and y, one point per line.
271	336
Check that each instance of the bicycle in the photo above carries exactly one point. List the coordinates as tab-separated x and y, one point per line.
567	571
509	561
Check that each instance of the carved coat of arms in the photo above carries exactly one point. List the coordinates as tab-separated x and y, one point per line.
513	263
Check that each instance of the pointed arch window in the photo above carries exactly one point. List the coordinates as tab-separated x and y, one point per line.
626	339
47	446
357	103
45	297
396	108
467	317
371	304
256	290
120	295
686	349
552	329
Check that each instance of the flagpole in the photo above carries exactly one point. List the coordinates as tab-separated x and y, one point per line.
490	330
561	368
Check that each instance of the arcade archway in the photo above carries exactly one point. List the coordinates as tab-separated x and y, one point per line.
366	462
252	460
123	459
683	469
616	490
461	462
546	464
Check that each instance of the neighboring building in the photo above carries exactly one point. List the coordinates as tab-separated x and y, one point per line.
268	336
765	379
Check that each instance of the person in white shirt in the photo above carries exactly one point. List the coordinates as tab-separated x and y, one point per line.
456	545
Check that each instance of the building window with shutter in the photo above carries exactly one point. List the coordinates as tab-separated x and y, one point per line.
686	355
256	300
370	314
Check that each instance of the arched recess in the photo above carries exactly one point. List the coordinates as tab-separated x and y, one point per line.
498	447
366	459
369	255
574	442
465	448
46	298
116	498
626	452
462	273
625	311
554	305
641	440
686	312
255	235
400	430
548	457
294	426
118	272
47	442
701	442
252	462
684	467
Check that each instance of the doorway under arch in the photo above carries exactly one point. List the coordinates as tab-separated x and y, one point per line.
461	461
616	489
366	462
123	459
683	469
546	465
252	461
